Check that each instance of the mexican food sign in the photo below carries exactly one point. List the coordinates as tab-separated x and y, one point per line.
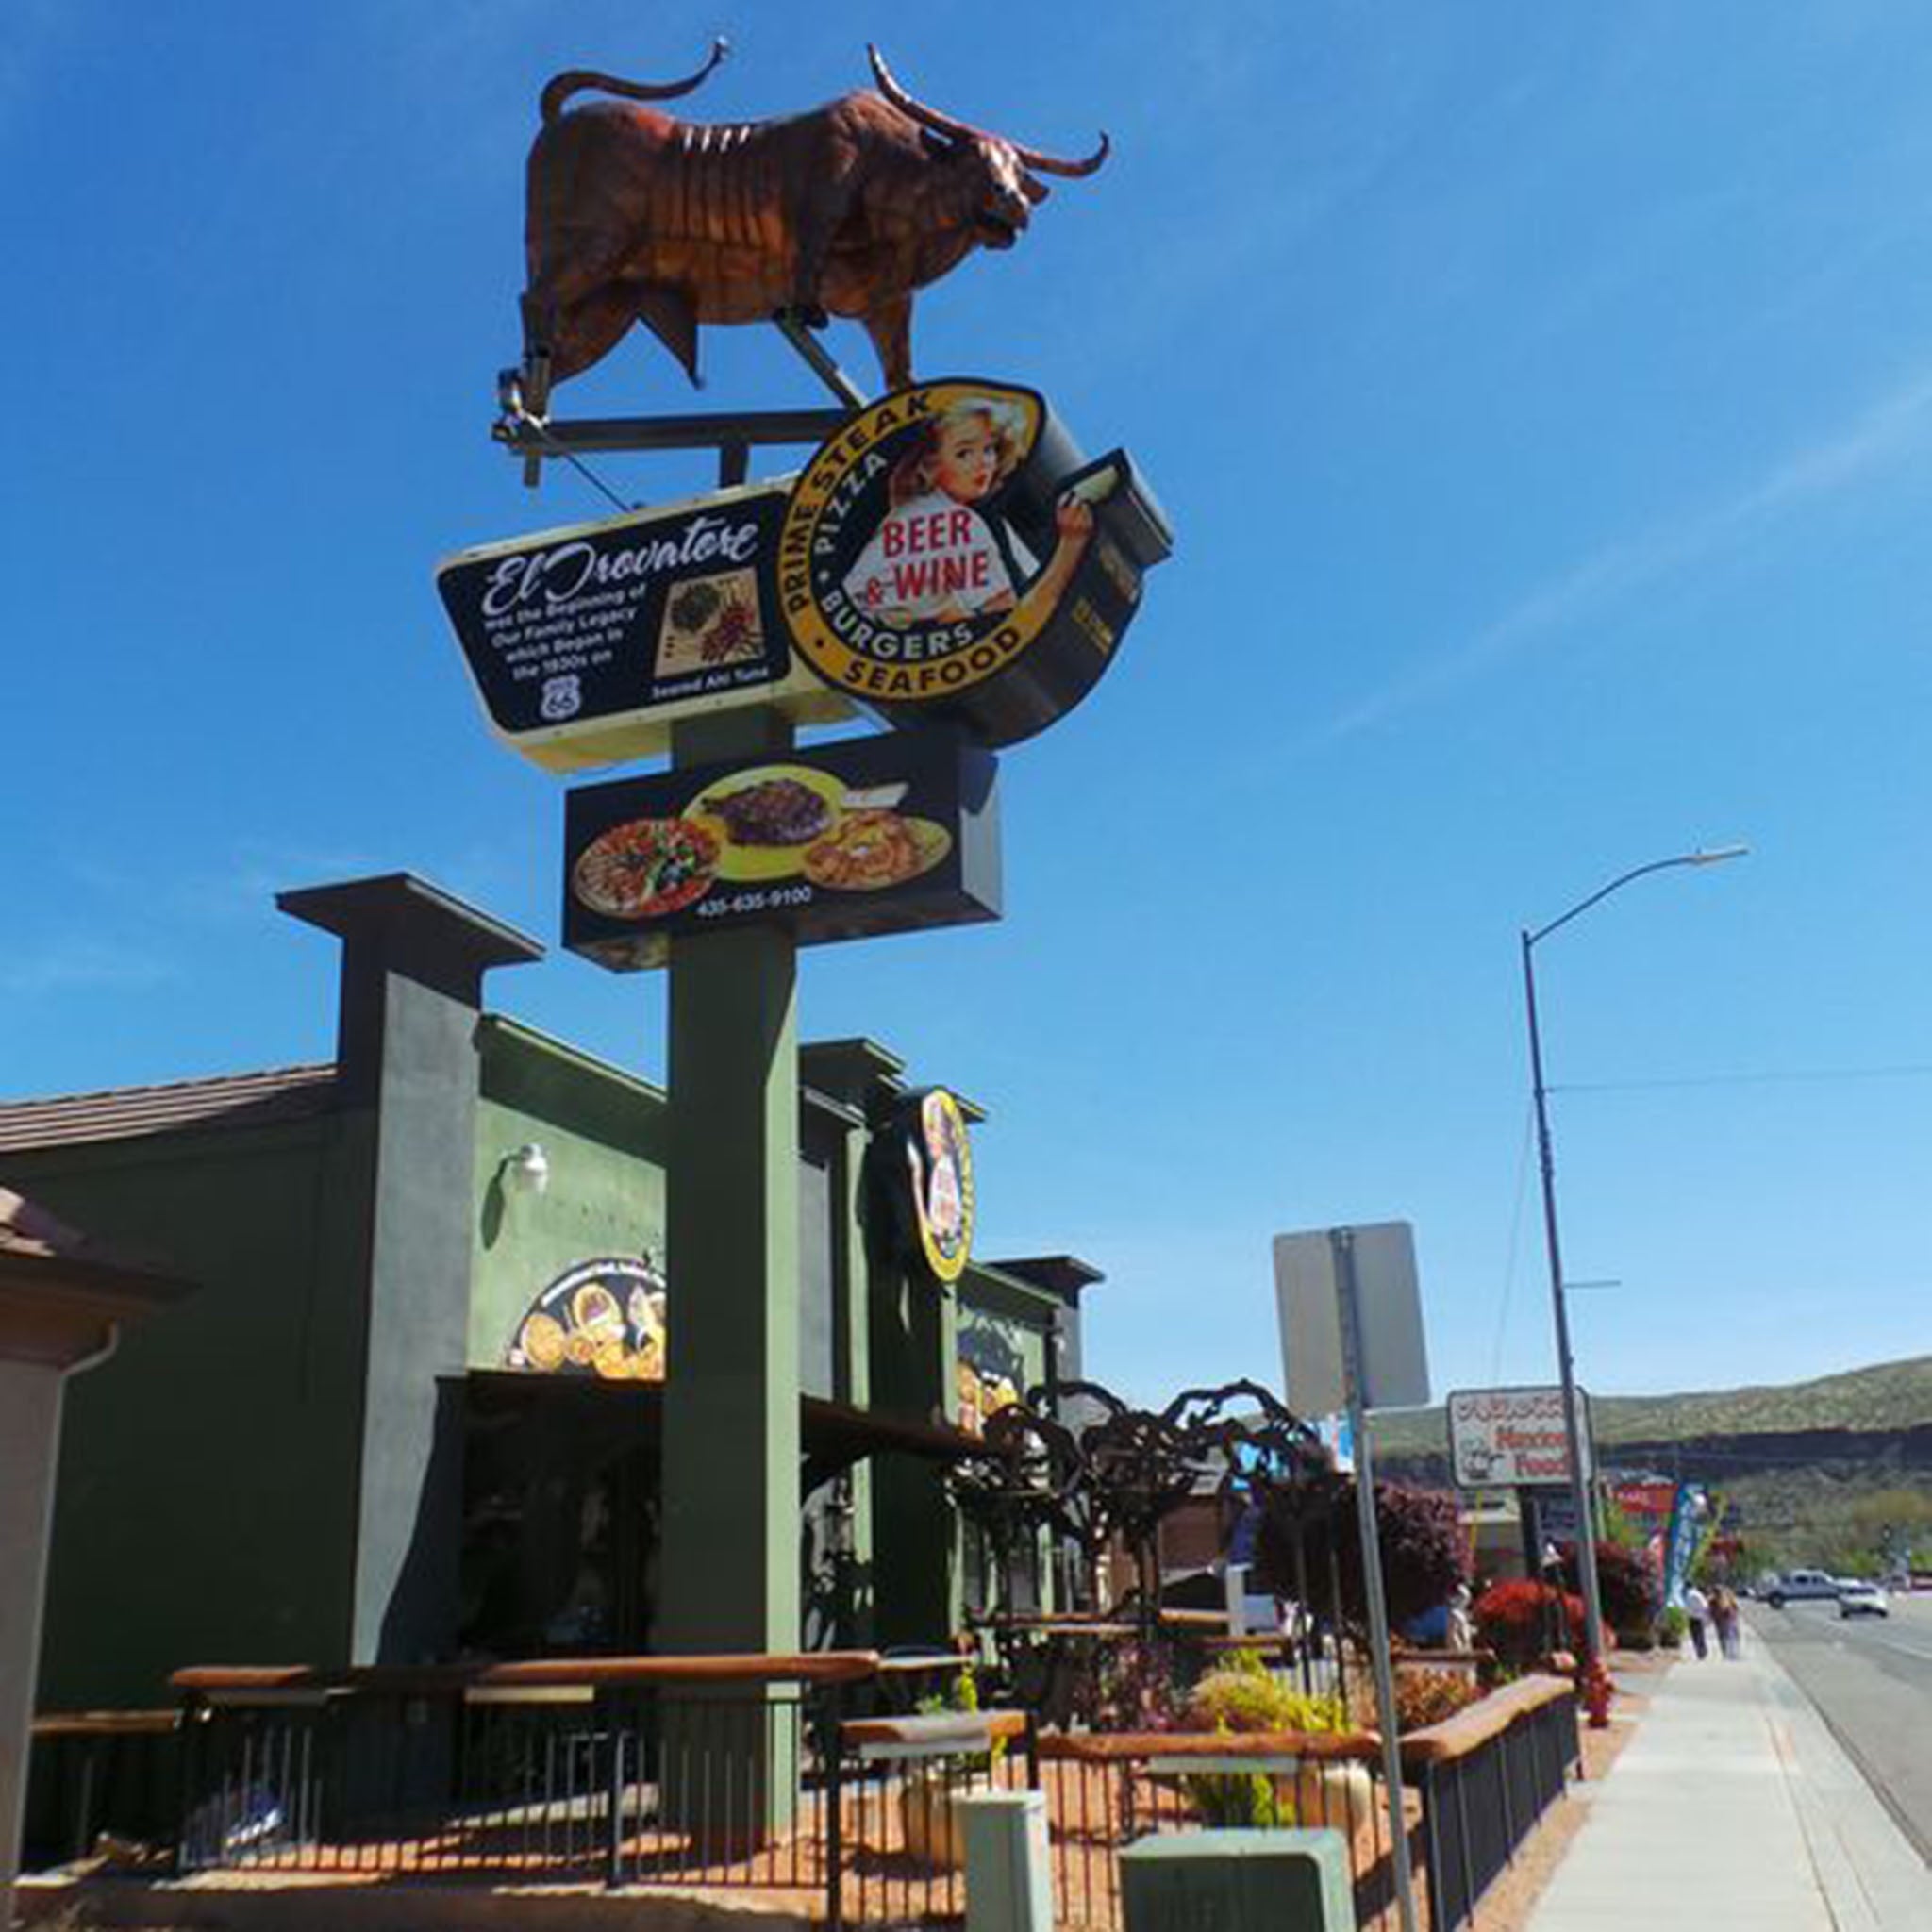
586	643
1506	1439
892	833
949	555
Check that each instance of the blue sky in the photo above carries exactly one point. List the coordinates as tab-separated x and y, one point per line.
1543	401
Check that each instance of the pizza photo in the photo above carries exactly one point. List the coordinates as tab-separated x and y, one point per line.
645	869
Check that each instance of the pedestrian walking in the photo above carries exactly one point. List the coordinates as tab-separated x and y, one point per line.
1697	1613
1723	1615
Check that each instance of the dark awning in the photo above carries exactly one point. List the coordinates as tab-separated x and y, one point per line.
833	1434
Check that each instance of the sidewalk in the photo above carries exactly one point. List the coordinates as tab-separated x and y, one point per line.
1732	1804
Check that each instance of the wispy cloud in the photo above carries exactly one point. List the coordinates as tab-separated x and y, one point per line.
240	885
67	965
1885	433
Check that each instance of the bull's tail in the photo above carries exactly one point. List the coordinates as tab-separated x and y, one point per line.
559	89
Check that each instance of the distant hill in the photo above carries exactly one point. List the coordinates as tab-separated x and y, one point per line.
1805	1470
1886	1398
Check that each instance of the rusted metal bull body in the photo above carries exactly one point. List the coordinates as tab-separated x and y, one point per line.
636	216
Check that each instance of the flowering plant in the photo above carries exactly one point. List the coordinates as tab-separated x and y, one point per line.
1523	1621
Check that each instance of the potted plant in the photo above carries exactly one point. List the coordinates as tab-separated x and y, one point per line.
929	1825
1240	1697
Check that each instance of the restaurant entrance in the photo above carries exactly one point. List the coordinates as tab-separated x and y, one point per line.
560	1516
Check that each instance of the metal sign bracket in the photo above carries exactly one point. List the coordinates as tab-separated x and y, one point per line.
526	429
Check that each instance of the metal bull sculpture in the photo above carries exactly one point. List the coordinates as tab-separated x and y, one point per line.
636	216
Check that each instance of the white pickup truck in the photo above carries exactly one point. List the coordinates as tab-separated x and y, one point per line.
1794	1586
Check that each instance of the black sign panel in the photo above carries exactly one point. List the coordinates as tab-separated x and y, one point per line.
893	833
950	557
583	642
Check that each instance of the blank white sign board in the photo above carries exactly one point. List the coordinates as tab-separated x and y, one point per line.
1395	1366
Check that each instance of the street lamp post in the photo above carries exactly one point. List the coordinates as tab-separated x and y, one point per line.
1573	1433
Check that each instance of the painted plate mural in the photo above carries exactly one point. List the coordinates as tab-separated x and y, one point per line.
603	1318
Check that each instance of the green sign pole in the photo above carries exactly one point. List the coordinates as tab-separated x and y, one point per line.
728	1579
730	1538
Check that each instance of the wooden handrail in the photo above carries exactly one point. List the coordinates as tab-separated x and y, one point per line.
974	1729
106	1723
1443	1743
1469	1730
823	1667
1112	1747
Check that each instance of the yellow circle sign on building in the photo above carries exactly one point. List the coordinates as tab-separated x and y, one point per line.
950	557
939	1157
919	1189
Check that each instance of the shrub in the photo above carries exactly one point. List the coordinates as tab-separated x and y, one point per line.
1241	1800
1427	1697
1627	1587
1422	1697
1239	1695
1133	1688
1424	1553
1522	1622
1672	1625
962	1693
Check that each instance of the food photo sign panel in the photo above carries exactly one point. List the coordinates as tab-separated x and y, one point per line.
584	643
893	833
951	557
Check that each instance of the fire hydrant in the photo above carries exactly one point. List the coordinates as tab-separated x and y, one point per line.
1593	1685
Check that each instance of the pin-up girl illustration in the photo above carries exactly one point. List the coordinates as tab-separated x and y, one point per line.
934	558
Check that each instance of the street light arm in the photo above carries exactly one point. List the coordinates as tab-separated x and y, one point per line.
1636	872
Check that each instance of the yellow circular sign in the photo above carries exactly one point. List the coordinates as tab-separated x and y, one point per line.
940	1158
900	575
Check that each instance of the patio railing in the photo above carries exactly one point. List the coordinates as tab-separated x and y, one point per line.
807	1778
1486	1778
689	1771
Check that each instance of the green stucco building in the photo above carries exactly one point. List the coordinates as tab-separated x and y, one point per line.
416	1410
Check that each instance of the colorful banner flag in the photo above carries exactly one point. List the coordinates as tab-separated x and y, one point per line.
1680	1544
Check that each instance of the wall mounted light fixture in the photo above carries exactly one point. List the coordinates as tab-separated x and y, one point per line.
527	1170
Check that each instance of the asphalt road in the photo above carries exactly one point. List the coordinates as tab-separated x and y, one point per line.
1871	1679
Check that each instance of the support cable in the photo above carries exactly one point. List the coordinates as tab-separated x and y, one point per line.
514	409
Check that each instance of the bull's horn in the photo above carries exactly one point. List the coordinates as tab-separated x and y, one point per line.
1049	164
926	117
963	130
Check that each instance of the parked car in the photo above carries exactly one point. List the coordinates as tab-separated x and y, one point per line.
1860	1599
1796	1585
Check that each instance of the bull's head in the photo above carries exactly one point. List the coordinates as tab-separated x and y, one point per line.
1005	176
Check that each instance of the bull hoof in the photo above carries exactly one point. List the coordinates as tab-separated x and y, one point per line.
804	314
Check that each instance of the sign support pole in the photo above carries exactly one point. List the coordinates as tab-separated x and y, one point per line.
1342	1240
730	1526
728	1573
730	1541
